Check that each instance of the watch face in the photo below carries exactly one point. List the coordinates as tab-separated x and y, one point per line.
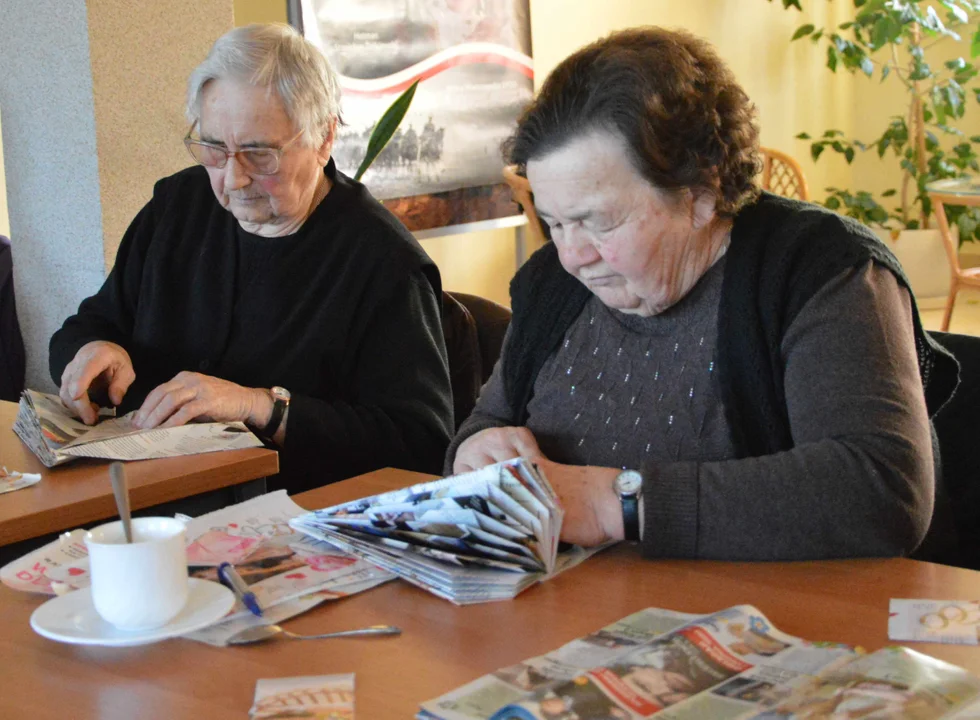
628	482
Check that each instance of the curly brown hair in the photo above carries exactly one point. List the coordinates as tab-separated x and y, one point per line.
685	119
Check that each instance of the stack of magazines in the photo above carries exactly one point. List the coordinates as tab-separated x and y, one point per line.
481	536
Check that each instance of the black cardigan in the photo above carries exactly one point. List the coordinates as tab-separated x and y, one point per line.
782	251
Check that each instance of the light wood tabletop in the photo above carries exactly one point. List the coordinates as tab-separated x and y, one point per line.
444	646
79	492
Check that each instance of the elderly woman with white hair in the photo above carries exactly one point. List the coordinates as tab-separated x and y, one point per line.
263	285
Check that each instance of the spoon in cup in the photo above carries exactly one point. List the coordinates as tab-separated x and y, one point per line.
117	475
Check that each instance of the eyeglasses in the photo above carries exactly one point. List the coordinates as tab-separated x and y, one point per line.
255	161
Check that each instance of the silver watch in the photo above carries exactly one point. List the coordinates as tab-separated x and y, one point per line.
628	485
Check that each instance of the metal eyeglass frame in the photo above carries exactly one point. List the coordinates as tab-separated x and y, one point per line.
248	166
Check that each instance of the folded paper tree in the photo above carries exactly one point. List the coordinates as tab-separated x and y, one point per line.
480	536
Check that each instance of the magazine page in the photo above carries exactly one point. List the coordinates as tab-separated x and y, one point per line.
55	436
625	672
289	572
275	561
327	697
59	566
892	682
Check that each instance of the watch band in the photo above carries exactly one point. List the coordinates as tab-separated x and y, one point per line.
627	486
280	401
631	517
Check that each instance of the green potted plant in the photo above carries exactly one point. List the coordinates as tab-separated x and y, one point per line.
927	48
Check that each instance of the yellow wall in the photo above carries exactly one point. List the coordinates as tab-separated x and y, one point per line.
788	82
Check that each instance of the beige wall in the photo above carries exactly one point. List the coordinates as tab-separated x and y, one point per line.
140	142
4	219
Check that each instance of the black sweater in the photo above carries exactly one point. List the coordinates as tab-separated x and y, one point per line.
343	313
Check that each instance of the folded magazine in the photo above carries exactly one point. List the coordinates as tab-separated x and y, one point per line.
56	436
481	536
730	664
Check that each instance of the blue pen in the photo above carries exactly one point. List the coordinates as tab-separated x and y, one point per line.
230	577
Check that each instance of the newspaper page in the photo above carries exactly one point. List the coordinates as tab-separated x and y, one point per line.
891	683
653	662
327	697
945	621
56	437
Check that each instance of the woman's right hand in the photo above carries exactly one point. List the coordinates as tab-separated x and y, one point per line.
495	445
98	365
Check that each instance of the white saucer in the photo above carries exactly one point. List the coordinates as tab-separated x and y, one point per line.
72	618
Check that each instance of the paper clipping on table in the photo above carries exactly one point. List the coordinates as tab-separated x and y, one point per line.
56	437
288	572
942	621
327	697
11	480
481	536
730	664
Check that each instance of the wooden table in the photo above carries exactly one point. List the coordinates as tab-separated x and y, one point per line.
444	646
78	493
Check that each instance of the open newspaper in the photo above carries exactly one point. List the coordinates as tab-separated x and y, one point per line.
55	436
288	571
481	536
731	664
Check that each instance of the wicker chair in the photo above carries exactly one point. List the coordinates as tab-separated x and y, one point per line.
782	175
521	189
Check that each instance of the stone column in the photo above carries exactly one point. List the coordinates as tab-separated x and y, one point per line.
92	96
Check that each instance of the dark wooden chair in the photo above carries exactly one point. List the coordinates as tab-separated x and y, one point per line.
474	328
956	427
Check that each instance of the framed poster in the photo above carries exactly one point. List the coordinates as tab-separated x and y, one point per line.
442	169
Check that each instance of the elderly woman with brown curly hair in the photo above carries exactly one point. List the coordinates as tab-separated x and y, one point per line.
709	370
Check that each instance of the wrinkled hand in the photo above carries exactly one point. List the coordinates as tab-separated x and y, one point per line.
192	396
593	510
98	365
494	445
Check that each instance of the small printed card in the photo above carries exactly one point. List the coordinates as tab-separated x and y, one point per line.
327	697
10	481
943	621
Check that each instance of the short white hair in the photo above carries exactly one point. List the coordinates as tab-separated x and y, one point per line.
278	57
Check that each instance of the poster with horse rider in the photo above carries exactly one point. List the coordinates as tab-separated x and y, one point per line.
443	166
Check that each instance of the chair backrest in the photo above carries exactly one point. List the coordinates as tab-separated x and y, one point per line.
521	189
13	361
781	174
939	201
474	328
956	427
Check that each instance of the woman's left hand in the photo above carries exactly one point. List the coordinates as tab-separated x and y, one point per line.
593	510
190	396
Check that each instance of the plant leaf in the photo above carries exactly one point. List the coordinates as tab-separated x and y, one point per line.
385	128
802	31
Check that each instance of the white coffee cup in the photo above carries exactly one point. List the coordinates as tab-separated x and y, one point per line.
140	585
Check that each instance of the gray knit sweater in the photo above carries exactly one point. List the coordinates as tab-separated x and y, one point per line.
630	392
